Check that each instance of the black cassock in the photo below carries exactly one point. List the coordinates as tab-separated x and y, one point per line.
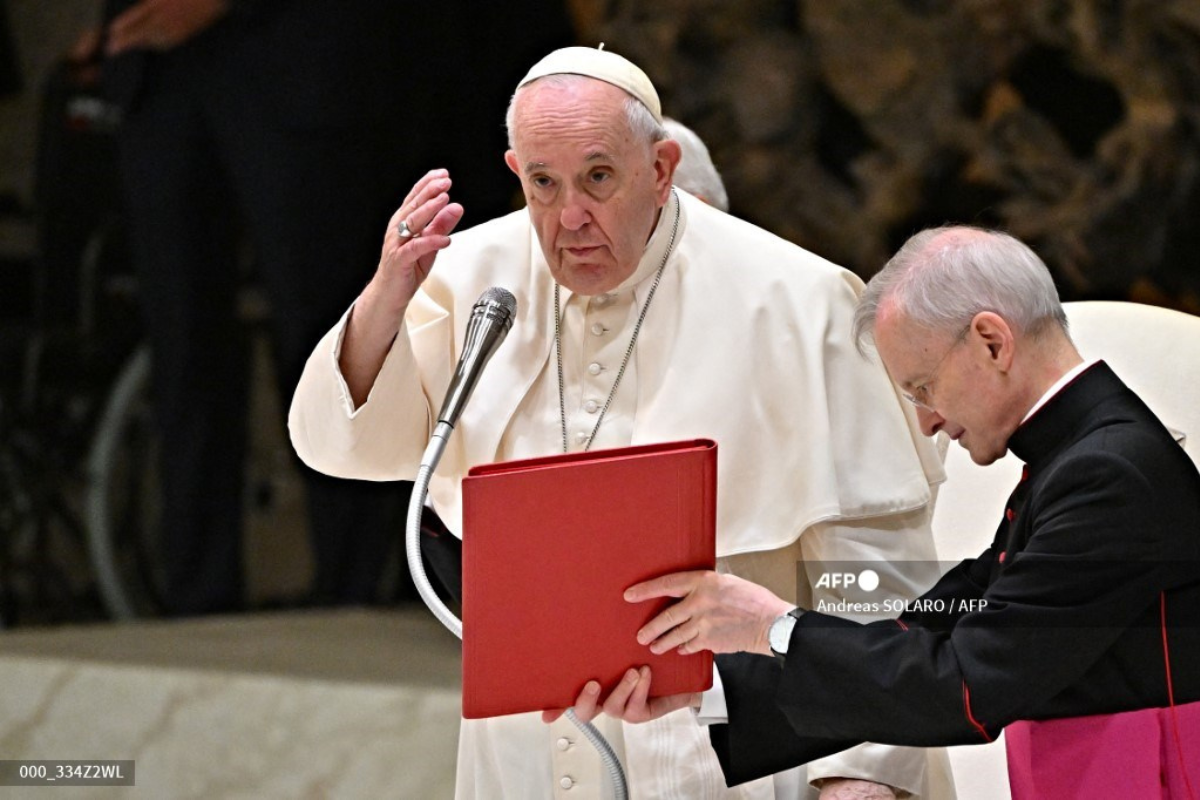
1104	524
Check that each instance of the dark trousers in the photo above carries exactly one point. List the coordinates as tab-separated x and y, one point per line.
208	170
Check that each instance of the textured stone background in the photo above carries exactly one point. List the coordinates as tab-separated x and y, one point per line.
845	125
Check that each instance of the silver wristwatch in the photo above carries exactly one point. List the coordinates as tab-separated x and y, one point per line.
780	633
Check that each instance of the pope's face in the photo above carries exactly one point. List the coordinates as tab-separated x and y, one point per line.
593	189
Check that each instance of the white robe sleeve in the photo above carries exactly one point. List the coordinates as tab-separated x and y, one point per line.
380	440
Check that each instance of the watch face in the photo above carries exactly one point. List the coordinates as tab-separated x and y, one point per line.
780	633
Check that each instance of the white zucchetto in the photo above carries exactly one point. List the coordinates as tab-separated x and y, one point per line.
601	65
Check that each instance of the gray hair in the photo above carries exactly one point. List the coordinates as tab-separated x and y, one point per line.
642	123
942	277
696	172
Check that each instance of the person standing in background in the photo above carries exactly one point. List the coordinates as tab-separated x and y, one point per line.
696	173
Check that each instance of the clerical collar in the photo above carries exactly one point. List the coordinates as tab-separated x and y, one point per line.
656	248
1058	386
1063	411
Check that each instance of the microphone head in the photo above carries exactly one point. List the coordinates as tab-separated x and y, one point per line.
491	317
502	296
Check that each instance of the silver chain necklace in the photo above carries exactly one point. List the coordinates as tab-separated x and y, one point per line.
562	405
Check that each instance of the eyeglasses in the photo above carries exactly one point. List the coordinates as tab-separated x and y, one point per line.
920	395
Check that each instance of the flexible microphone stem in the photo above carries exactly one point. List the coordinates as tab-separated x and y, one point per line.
616	775
412	538
485	332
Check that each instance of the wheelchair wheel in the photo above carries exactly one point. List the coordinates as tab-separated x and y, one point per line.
122	504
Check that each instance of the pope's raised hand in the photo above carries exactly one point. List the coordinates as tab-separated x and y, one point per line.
416	232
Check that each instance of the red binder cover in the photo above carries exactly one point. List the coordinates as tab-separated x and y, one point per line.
550	545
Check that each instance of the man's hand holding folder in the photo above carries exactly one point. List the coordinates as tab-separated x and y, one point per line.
717	613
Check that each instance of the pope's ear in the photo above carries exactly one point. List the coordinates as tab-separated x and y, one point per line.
510	158
667	154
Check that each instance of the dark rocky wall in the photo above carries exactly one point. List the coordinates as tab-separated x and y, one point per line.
846	125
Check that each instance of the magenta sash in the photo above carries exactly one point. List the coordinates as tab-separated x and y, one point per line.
1148	754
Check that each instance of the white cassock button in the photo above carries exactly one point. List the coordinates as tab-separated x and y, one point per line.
581	437
598	329
563	743
594	368
566	782
603	299
591	406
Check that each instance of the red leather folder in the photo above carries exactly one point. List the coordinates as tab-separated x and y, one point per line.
549	546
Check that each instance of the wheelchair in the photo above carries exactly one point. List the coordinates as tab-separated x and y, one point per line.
69	320
79	496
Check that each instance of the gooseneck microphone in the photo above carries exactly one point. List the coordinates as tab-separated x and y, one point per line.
490	320
491	317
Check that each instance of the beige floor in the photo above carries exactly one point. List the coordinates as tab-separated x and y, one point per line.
298	705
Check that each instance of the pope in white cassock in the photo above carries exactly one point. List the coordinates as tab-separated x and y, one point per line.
643	316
